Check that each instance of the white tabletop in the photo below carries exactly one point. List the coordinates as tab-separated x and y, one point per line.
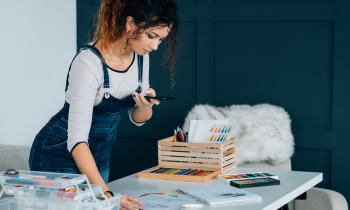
293	183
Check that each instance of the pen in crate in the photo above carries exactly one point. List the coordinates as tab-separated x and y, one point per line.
180	135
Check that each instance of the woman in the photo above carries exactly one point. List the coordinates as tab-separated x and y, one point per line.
106	78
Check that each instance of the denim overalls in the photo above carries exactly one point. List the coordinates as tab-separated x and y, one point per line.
49	150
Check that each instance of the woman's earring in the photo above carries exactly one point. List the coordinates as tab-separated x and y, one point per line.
127	31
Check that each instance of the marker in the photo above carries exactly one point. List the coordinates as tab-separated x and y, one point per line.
157	170
163	170
203	172
168	172
174	136
175	171
183	171
194	172
182	138
179	171
185	136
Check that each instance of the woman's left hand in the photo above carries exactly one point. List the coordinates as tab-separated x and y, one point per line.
142	101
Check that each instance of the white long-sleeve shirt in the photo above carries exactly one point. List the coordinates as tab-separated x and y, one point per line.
85	90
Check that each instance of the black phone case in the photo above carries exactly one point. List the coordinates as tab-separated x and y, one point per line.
160	97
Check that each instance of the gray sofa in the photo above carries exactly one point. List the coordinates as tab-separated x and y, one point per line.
13	157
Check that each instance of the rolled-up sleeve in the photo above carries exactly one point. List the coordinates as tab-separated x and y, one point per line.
130	111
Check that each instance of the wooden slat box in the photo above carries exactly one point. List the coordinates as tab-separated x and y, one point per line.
219	158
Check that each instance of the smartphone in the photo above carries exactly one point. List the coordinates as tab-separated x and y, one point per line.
160	97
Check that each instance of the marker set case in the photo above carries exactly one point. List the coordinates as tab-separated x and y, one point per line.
257	182
46	191
243	176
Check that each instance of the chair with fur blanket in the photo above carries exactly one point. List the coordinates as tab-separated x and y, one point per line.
257	128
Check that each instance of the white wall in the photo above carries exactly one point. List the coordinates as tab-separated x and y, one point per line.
37	44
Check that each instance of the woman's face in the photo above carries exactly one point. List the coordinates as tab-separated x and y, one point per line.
149	39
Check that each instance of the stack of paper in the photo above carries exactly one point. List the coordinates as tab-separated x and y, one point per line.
220	194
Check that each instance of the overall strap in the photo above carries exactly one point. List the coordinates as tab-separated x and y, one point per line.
140	65
104	66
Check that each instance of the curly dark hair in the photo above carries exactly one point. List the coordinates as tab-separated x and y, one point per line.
112	18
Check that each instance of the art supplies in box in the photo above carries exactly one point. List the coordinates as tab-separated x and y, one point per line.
43	190
258	182
69	193
180	135
243	176
40	179
190	174
193	162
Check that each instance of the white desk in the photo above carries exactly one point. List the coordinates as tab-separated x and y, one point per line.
293	183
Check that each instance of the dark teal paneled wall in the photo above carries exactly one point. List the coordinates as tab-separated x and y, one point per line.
290	53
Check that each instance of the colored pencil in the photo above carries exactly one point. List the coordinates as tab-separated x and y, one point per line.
197	173
194	172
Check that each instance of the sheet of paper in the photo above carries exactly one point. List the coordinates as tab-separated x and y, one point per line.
213	133
156	200
194	123
220	194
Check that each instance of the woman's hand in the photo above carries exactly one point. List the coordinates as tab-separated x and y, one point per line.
142	101
127	202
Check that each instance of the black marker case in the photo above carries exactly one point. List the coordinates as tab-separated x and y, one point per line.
255	182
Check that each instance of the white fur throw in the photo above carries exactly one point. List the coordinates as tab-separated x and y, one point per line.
263	131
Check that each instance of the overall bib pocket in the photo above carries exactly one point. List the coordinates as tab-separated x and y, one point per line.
106	120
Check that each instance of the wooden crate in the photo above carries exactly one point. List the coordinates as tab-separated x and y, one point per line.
219	158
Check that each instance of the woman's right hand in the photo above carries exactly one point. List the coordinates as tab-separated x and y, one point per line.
127	202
